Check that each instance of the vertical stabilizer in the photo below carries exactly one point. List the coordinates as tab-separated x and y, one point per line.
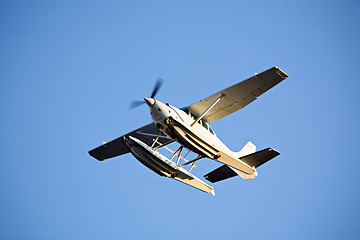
249	148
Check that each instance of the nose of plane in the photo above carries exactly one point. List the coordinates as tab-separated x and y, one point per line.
149	101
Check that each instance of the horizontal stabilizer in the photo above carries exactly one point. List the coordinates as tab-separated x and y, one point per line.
259	158
221	173
255	159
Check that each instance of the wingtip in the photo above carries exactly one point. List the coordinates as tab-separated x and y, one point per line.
213	192
281	73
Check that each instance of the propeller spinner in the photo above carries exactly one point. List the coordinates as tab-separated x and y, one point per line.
150	100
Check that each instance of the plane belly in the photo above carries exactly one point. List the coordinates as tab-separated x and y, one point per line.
190	140
218	152
196	140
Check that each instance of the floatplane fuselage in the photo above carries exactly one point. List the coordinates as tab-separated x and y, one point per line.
195	134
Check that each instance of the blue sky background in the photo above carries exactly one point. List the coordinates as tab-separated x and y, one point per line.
68	70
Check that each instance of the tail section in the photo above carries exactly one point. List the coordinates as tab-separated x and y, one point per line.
247	155
249	148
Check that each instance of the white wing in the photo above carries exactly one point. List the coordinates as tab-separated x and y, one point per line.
238	95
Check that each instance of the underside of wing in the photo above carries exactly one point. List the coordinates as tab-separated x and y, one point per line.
117	147
238	95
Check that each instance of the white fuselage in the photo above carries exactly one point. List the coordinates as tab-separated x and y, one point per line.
160	112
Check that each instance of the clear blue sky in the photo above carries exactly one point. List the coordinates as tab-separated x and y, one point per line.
68	70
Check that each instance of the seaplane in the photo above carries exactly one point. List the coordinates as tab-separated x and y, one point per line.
189	128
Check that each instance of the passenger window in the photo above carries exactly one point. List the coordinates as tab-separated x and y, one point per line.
212	132
205	125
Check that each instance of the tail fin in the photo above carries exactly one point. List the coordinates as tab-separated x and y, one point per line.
249	148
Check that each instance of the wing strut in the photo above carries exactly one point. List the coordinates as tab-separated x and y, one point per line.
175	153
152	145
192	165
163	145
208	109
179	156
192	161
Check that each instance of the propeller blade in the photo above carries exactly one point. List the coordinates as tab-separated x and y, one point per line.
135	104
158	84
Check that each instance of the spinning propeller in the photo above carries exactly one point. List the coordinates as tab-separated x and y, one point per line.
157	86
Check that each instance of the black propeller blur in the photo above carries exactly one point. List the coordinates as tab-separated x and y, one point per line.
158	84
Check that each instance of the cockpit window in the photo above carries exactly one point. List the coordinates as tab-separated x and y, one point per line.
185	109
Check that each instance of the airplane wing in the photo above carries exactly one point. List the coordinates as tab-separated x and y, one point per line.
117	147
255	159
238	95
